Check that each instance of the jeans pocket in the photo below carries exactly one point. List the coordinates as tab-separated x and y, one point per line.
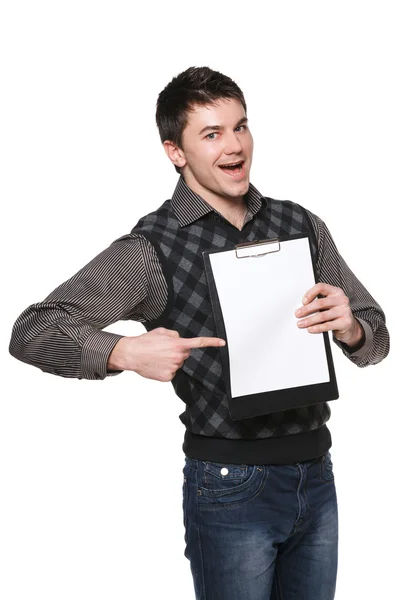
224	476
224	483
327	467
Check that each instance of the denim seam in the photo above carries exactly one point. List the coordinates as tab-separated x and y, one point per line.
185	493
203	587
298	495
305	495
278	588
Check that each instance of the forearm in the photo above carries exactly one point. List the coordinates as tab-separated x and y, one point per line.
371	345
61	345
374	348
63	333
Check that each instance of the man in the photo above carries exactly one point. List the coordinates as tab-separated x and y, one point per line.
259	496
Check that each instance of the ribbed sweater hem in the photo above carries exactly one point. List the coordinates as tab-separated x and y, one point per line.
285	449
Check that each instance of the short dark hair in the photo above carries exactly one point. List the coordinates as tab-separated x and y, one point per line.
196	85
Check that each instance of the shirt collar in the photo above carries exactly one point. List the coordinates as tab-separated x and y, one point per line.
189	206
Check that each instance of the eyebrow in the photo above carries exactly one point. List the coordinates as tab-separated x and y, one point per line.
219	127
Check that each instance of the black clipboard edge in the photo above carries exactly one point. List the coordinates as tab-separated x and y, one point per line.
246	407
253	405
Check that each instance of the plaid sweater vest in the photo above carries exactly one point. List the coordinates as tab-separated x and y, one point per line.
200	383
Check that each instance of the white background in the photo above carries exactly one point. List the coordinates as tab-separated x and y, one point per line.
91	471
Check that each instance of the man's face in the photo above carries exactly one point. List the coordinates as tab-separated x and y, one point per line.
216	135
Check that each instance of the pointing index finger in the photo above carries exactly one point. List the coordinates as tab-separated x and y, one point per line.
202	342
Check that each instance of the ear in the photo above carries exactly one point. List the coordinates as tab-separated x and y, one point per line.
174	153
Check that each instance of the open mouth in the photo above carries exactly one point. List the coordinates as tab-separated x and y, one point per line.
233	168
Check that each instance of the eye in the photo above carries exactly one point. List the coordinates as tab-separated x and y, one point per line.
211	138
242	127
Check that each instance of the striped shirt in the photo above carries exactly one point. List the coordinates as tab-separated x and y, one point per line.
63	334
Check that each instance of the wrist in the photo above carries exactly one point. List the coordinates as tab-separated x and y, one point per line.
117	358
357	337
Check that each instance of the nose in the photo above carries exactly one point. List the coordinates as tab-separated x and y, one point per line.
233	144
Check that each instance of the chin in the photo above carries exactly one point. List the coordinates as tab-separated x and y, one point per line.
241	188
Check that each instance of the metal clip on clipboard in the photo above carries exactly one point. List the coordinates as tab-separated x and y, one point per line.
242	250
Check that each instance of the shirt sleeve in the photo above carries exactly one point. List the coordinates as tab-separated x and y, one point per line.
62	335
332	269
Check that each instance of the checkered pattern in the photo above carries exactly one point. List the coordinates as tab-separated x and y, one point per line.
200	383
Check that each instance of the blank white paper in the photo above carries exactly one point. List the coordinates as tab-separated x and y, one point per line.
258	298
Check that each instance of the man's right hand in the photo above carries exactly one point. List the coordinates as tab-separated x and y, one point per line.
157	354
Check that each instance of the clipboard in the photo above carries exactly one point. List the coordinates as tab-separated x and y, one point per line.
269	364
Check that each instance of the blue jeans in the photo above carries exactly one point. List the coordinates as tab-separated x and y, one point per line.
261	532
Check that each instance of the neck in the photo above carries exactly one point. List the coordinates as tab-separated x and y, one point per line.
221	203
229	207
